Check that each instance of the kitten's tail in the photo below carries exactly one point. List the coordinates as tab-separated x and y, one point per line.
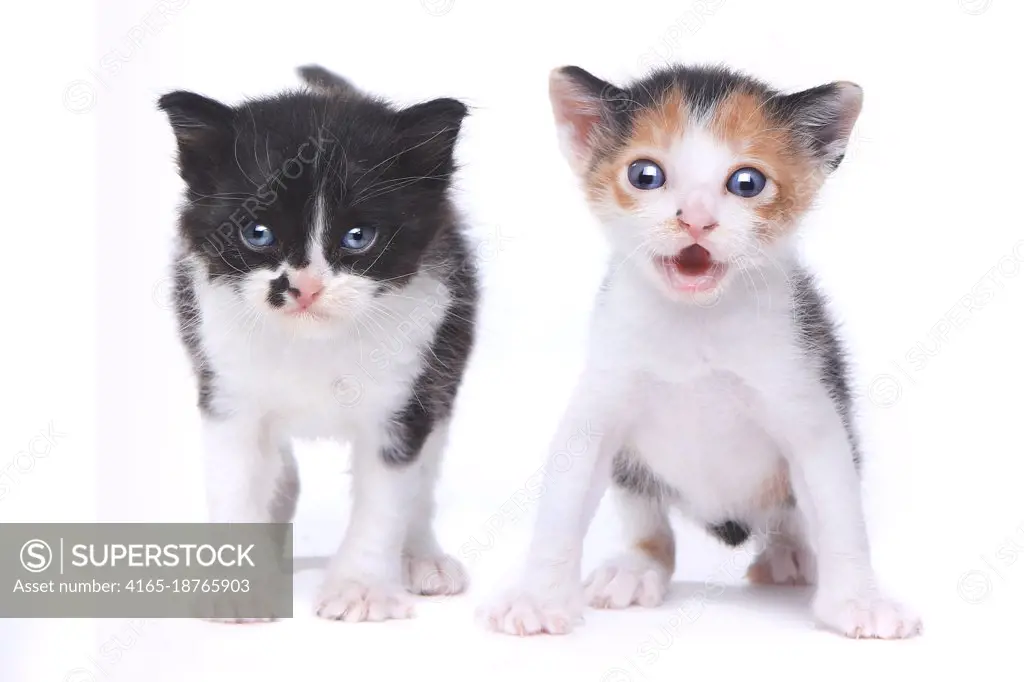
321	79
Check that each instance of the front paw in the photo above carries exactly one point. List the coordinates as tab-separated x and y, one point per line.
868	615
434	575
782	565
626	580
355	601
532	612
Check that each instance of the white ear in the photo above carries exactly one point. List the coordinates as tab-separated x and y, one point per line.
827	114
578	102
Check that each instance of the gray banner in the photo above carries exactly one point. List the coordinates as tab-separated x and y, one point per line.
145	570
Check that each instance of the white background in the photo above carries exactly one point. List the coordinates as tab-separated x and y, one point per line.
924	210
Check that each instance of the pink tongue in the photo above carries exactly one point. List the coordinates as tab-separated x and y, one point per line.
693	260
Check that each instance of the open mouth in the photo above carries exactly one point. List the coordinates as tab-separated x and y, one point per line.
692	270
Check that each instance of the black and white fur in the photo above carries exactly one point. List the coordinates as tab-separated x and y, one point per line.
378	356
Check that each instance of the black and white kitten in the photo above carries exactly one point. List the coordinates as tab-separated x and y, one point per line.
324	289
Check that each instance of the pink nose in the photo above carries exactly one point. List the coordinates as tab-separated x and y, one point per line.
306	289
694	216
697	224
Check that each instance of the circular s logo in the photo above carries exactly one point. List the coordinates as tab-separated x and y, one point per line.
79	96
885	391
975	7
36	556
437	8
80	675
974	587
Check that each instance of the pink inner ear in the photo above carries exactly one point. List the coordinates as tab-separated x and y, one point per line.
578	111
851	99
582	123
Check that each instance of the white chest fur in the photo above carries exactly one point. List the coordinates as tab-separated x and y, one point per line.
328	384
691	377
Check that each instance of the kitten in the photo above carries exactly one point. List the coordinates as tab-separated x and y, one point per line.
324	288
714	383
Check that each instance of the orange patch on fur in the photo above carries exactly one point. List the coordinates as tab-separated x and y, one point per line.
661	548
741	121
604	180
776	491
653	128
760	573
660	127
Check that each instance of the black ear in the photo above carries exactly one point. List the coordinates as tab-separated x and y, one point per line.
824	116
320	78
194	117
204	129
429	132
583	105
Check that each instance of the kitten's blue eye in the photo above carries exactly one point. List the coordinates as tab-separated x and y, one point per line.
644	174
359	238
258	236
746	182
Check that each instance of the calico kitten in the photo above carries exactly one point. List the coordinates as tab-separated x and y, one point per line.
324	288
715	383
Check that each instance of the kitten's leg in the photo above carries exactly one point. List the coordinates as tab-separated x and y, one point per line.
364	579
426	568
247	474
641	573
286	498
246	470
787	558
827	490
549	595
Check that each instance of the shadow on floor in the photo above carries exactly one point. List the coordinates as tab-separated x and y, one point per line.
780	599
690	598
